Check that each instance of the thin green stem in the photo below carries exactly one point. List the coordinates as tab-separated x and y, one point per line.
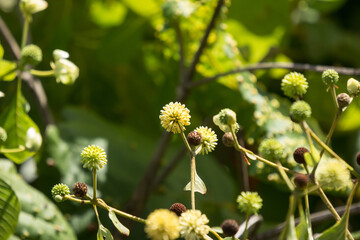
246	226
290	213
307	214
185	141
215	234
40	73
129	216
94	184
25	31
97	214
333	94
284	176
331	131
193	169
239	148
77	200
330	151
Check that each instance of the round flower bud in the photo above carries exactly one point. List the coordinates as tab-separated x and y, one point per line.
226	119
249	202
301	180
343	100
330	77
178	208
230	227
358	158
208	139
271	149
3	135
31	54
29	7
193	225
294	85
162	224
299	111
299	155
93	157
174	117
353	87
228	139
80	189
194	138
58	198
60	190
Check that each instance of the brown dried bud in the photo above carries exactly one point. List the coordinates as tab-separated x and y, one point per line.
194	138
228	139
299	155
178	208
343	100
358	158
301	180
80	189
230	227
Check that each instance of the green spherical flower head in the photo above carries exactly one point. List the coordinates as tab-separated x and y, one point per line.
3	135
225	119
353	87
333	175
294	85
249	202
299	111
330	77
31	54
93	157
60	190
271	149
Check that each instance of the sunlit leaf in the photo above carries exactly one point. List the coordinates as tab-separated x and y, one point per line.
10	209
107	14
104	233
122	229
145	8
199	185
16	122
6	67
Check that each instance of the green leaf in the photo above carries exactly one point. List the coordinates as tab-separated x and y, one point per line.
250	155
16	122
145	8
104	233
1	52
339	229
107	14
199	185
289	232
6	67
303	229
122	229
9	210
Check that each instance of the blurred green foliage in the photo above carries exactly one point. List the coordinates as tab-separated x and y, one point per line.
128	59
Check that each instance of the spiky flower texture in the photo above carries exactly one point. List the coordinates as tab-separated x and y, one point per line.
193	225
294	85
333	175
59	191
249	202
209	139
299	111
226	118
271	149
162	224
330	77
174	117
93	157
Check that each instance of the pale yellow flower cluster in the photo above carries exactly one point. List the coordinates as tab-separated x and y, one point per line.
174	117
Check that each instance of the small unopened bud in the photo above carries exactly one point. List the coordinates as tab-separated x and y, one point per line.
230	227
358	158
3	135
33	140
59	191
178	208
80	189
228	139
31	54
343	100
330	77
353	86
194	138
299	155
301	180
299	111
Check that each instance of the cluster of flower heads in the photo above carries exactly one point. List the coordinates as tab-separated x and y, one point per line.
164	224
175	116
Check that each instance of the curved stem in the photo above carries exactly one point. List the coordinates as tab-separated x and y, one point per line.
40	73
12	150
215	234
246	226
331	131
284	176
